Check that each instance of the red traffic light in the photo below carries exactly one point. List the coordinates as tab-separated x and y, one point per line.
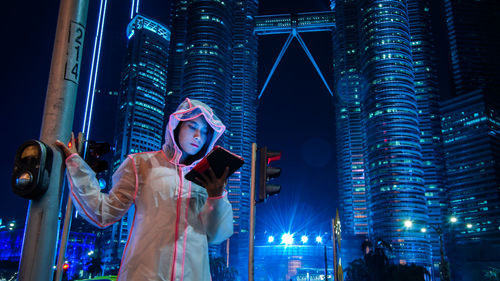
273	156
65	266
266	173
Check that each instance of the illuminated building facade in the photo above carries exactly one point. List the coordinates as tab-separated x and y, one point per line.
394	159
141	108
470	124
300	260
382	177
141	102
79	250
351	158
471	140
213	58
427	95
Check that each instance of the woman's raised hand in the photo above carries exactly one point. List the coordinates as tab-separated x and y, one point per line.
73	146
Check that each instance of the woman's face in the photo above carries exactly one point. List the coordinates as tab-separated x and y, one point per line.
193	135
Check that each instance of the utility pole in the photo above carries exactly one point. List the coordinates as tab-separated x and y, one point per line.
40	236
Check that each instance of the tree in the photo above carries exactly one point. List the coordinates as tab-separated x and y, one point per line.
375	266
219	270
356	271
491	274
95	266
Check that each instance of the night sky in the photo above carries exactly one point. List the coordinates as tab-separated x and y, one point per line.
295	115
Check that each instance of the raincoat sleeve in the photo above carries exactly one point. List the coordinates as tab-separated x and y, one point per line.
99	208
217	217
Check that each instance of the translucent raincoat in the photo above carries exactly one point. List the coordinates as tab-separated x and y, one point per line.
174	218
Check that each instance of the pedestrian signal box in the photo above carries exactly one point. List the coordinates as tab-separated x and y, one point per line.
32	165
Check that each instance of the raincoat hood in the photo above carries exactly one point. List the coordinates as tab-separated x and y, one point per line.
188	110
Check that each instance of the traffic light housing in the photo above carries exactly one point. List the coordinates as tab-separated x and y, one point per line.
266	173
93	156
32	167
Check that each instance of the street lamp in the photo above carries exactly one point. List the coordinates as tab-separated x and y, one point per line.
443	267
270	239
287	239
304	239
453	219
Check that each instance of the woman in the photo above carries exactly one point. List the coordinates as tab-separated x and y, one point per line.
174	219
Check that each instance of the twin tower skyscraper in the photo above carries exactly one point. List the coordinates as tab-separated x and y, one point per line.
390	167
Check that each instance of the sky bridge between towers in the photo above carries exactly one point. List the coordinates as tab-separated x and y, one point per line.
293	25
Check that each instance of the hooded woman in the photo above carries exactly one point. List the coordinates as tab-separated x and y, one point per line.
174	219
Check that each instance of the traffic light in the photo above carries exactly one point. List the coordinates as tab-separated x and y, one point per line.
93	156
32	166
267	173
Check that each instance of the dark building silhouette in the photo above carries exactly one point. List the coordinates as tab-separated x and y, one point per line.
474	44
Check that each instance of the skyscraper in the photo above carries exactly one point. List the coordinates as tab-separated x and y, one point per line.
379	118
214	59
351	157
471	140
394	160
427	95
470	136
141	104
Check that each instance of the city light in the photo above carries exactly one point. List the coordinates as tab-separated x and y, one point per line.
270	239
304	239
453	219
319	239
469	225
408	223
287	239
424	230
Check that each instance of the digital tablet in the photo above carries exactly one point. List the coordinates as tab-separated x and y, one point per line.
219	158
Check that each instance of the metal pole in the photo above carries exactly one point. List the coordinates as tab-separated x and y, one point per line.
334	251
67	223
252	214
40	236
64	239
227	251
326	264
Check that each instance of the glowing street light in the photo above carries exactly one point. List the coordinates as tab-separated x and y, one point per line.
287	239
469	225
270	239
453	219
423	229
408	223
319	239
304	239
